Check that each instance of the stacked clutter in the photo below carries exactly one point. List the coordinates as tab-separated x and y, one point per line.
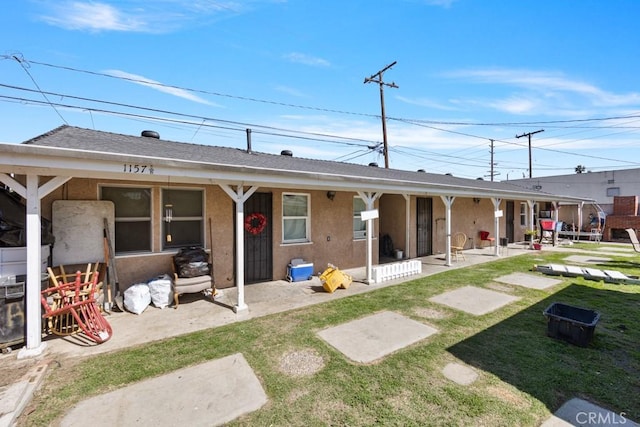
332	278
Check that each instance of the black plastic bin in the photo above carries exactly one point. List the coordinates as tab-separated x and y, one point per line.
12	313
574	325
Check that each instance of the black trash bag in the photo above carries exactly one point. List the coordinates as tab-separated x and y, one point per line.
13	218
192	262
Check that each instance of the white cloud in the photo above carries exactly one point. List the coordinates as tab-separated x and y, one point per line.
92	16
133	15
180	93
548	85
424	102
305	59
441	3
290	91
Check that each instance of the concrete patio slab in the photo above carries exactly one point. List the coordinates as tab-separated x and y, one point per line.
209	394
587	259
460	374
371	338
473	300
579	412
528	280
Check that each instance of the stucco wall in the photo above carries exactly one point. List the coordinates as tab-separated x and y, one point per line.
393	218
331	235
331	229
137	268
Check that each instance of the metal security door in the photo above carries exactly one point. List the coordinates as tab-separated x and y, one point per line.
258	250
510	218
424	216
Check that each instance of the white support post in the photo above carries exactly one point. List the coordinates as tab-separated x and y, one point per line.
34	344
496	218
579	227
556	216
448	202
407	224
239	197
531	204
369	199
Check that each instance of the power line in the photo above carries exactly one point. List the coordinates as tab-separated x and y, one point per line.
408	121
23	64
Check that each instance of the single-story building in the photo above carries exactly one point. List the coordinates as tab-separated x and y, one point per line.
253	211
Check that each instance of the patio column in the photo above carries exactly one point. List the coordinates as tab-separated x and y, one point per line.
556	216
531	204
448	202
497	214
407	227
33	319
239	197
369	199
580	207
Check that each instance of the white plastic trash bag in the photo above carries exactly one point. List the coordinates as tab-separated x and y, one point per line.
137	298
160	289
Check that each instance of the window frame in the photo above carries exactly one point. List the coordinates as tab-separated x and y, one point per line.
524	214
174	218
131	219
359	234
307	219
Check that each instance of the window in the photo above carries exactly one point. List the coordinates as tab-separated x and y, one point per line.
185	227
359	226
295	218
133	217
523	214
613	191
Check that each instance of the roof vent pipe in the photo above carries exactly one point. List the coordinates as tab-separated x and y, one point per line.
248	140
373	164
288	153
150	134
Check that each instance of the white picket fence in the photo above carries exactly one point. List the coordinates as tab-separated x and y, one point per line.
396	270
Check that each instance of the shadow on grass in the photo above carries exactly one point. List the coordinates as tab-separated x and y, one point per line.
518	351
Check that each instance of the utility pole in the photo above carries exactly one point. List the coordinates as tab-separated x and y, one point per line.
529	135
491	172
377	78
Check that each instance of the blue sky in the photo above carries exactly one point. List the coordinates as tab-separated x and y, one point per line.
293	71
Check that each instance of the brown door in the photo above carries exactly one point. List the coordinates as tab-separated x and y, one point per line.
258	255
424	215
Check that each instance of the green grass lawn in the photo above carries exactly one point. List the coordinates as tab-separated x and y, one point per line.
523	374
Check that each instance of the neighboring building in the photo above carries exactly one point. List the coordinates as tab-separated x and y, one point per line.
602	187
254	212
607	189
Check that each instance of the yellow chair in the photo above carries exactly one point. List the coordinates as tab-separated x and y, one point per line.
457	245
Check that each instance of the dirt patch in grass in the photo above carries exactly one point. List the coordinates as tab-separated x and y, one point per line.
508	396
12	369
301	363
500	288
430	313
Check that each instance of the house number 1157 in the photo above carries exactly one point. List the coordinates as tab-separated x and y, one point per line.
129	168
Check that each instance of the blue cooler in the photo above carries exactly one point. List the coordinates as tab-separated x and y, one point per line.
298	270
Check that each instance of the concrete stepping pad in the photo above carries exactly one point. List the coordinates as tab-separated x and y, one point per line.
209	394
473	300
371	338
528	280
460	374
579	412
